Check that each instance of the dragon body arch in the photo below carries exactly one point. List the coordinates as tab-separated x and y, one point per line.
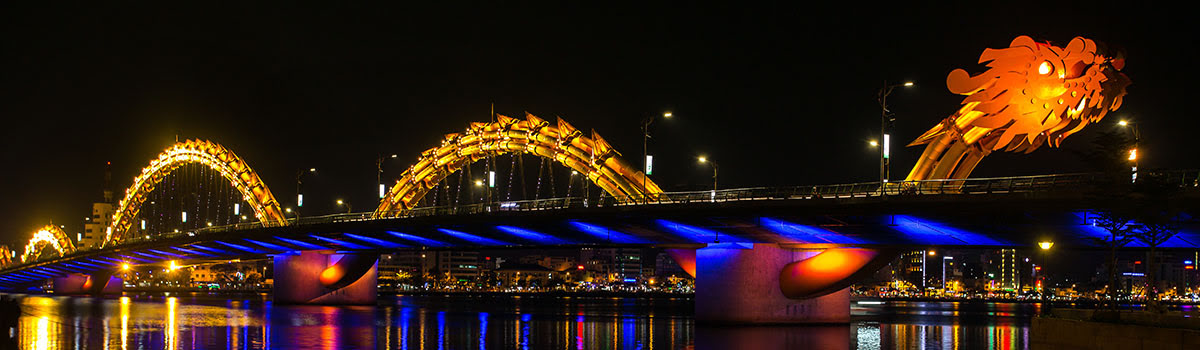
207	153
592	157
48	235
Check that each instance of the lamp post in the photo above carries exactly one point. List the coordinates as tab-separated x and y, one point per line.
349	209
1045	251
884	152
379	174
1137	139
713	163
646	163
300	195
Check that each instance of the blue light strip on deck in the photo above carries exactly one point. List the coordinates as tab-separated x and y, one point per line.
797	233
537	237
471	238
341	243
418	239
240	247
301	244
269	245
375	241
696	234
156	251
193	252
605	234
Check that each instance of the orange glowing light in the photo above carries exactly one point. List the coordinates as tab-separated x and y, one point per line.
825	272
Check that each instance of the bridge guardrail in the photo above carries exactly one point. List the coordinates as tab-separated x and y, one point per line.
1018	184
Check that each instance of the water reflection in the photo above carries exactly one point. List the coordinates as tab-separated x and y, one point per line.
196	321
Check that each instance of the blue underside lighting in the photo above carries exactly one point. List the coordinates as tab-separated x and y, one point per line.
300	243
798	233
134	258
922	231
240	247
148	255
605	234
537	237
156	251
341	243
471	238
193	252
269	245
80	263
214	250
696	234
375	241
418	239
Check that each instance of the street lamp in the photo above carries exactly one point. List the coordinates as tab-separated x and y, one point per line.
713	163
299	180
349	208
885	151
379	174
647	162
1137	138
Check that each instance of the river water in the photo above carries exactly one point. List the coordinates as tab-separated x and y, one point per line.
202	321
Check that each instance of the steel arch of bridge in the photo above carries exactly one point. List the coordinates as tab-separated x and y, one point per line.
210	154
48	235
6	256
592	157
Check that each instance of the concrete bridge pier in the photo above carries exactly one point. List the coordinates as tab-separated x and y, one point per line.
756	283
326	277
99	283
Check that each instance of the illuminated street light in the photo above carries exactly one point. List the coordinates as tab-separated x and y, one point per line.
478	183
873	143
1137	139
125	267
647	160
287	210
349	208
1045	245
884	152
300	195
379	175
704	160
932	253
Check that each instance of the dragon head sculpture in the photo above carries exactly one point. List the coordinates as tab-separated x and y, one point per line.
1031	94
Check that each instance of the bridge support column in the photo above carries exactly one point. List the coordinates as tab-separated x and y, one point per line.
95	284
322	277
739	283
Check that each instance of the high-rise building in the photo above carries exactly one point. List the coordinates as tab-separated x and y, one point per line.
628	262
95	226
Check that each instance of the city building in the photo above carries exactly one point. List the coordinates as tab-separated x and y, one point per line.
96	224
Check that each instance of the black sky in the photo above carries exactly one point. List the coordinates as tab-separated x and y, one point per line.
778	94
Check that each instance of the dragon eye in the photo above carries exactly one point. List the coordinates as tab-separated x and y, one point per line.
1045	68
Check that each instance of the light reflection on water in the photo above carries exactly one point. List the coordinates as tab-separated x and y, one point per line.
196	321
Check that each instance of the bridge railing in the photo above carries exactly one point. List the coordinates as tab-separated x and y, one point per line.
975	186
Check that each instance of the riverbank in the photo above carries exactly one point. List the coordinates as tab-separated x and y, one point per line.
1079	329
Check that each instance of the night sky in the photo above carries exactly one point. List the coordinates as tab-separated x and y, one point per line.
778	94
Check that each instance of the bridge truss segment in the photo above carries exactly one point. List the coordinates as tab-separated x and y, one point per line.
6	256
207	153
592	157
49	235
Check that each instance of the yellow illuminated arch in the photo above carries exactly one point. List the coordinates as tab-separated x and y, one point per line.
590	156
48	235
210	154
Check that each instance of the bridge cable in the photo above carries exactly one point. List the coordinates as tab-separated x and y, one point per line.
521	166
512	169
537	193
